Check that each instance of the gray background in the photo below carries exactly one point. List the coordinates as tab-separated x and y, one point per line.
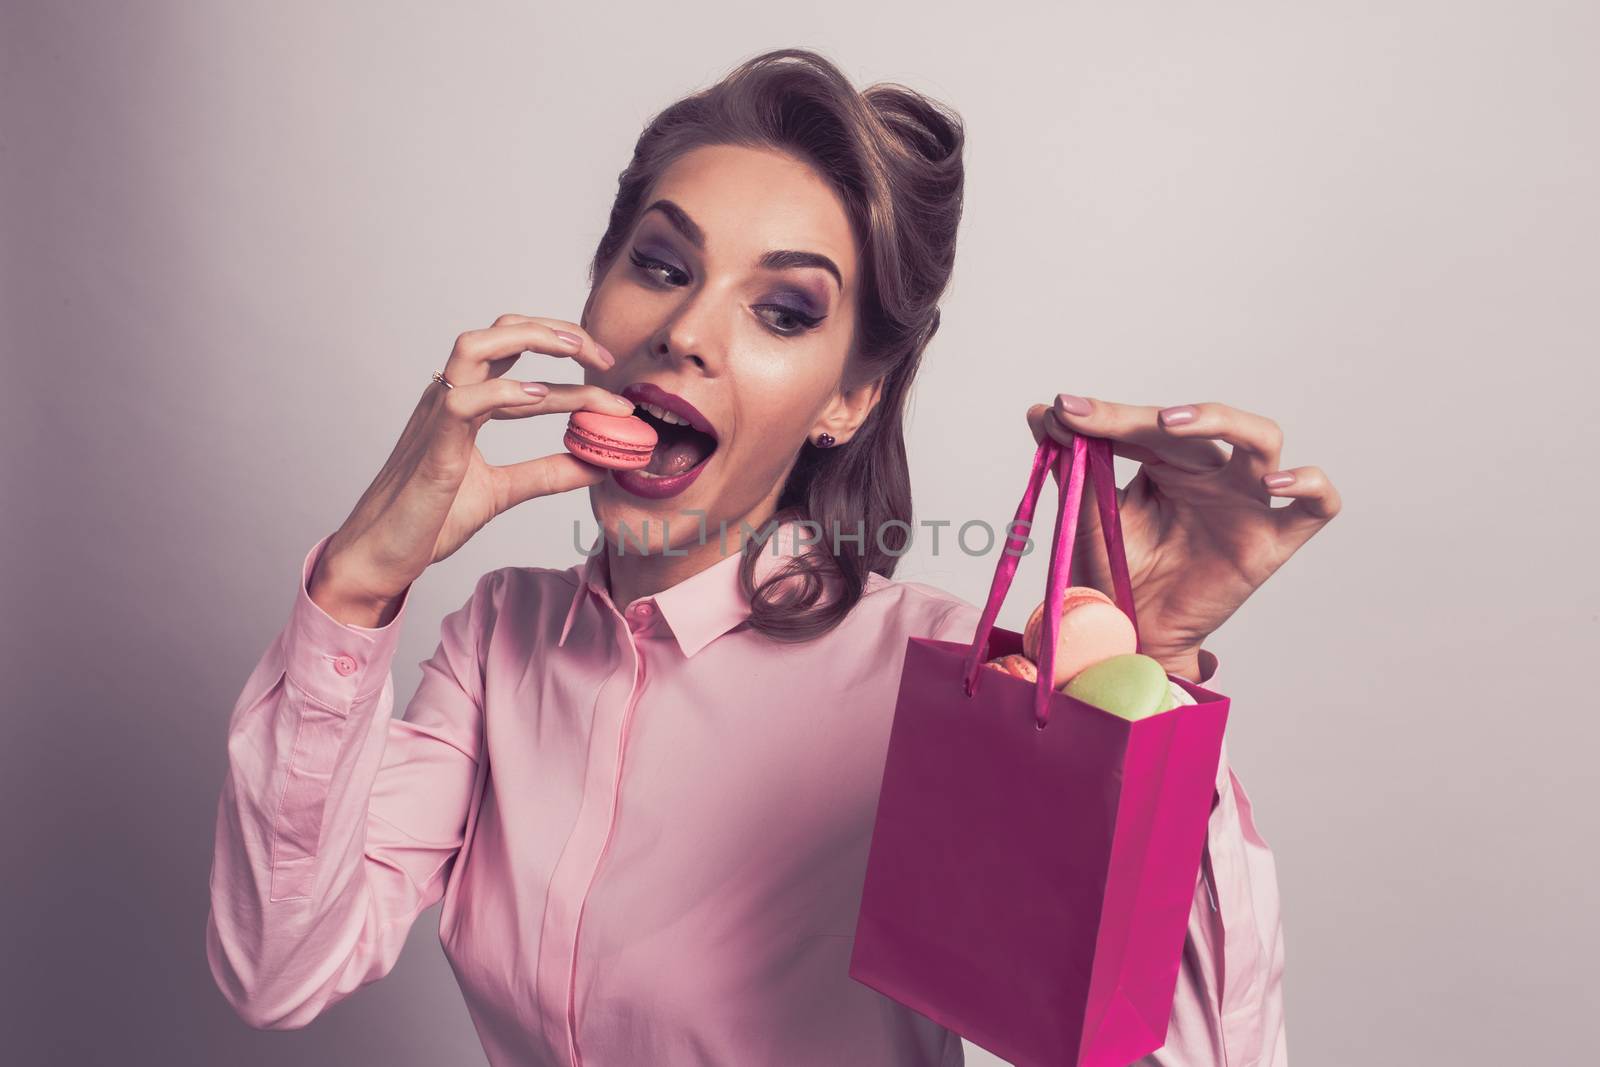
237	238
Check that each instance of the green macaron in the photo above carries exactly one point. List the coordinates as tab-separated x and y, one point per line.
1131	685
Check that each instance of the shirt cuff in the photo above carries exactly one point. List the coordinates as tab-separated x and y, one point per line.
337	664
1208	673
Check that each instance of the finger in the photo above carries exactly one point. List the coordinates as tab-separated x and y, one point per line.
488	353
1043	420
589	346
1257	440
546	476
1314	502
1134	432
566	397
466	406
1089	564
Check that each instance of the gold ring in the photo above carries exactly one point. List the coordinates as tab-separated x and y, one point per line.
438	376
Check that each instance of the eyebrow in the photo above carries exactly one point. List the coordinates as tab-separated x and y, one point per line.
777	259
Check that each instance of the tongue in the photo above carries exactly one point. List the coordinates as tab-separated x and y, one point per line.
677	455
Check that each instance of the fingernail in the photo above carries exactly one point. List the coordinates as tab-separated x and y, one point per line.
571	340
611	361
1178	416
1073	405
535	388
1278	480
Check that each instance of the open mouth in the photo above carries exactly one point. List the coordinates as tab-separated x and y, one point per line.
680	448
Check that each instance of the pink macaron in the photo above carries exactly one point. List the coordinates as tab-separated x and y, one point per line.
1018	666
1093	628
618	442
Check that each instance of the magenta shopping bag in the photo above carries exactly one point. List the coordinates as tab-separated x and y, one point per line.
1034	858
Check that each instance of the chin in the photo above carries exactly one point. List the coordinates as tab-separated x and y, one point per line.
642	526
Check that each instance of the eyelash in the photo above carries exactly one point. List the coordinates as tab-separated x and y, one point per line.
807	322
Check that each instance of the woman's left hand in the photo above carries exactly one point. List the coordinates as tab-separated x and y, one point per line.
1198	523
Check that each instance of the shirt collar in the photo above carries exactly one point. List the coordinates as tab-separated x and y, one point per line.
703	606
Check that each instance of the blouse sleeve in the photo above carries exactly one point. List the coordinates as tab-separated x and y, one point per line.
338	824
1228	1008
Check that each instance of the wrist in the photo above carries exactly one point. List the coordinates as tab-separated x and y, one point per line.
1185	666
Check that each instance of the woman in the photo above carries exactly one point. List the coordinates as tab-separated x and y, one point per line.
643	786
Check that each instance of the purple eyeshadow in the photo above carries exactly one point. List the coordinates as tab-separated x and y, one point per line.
804	300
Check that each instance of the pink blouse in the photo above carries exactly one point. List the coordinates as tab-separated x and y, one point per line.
648	826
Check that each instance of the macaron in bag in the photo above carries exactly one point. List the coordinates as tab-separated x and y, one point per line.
1096	661
1092	628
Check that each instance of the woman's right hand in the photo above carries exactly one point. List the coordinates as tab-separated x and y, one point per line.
435	490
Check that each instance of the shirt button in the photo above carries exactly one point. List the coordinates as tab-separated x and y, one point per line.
344	665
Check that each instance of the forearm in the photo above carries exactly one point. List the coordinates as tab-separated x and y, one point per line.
289	930
339	590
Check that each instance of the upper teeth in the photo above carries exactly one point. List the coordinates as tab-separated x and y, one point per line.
664	415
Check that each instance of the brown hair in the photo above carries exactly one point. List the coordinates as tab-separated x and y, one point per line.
894	158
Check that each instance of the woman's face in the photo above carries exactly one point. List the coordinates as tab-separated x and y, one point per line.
703	313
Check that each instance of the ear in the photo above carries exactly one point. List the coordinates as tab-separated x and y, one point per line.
847	411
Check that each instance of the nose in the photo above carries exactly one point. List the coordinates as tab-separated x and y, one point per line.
667	348
692	335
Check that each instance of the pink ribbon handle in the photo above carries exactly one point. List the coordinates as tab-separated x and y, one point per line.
1095	454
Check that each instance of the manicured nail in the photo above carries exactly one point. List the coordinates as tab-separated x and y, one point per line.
611	361
1178	416
1073	405
571	340
1278	480
535	388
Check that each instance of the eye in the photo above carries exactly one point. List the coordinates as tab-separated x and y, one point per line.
646	265
799	321
805	321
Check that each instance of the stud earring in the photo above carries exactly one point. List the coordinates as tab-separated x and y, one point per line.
824	440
